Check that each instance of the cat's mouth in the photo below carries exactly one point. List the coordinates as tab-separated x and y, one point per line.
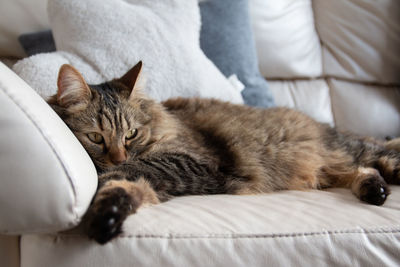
112	164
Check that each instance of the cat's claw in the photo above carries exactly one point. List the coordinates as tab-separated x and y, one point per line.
108	212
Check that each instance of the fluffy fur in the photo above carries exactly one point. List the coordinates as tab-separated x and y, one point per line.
148	152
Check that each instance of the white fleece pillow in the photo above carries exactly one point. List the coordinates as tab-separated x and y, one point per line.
103	39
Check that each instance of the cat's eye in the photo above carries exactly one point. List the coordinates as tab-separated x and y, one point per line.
95	138
131	134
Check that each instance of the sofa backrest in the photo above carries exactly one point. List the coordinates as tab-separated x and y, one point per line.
338	61
356	40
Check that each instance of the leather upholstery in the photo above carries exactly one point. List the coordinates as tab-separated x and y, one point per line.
365	46
352	45
289	228
47	178
338	61
369	110
286	38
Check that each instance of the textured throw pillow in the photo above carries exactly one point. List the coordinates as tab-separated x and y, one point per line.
227	39
104	40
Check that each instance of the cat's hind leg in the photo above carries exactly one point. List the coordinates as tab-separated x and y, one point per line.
368	152
366	183
388	164
365	165
114	201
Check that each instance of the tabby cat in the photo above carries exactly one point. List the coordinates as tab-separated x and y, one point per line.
148	152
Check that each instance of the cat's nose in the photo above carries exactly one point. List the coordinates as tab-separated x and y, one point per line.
118	156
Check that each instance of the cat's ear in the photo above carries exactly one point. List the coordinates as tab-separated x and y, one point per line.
132	79
73	92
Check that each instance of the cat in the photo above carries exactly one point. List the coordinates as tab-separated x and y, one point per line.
148	152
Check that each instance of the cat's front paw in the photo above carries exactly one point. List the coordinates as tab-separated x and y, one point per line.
109	209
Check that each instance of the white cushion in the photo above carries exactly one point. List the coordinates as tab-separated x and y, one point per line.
18	17
309	96
361	39
366	109
286	38
47	179
289	228
104	41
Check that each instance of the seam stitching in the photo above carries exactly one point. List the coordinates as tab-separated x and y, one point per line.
248	236
278	235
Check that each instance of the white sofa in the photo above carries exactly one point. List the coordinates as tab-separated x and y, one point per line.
338	61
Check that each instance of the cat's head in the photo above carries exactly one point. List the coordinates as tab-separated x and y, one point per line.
112	120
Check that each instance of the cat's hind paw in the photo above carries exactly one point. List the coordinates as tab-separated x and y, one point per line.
374	191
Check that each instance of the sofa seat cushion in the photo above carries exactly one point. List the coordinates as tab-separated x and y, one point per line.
288	228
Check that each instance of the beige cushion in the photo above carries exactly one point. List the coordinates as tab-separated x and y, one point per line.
47	178
361	39
289	228
366	109
286	39
309	96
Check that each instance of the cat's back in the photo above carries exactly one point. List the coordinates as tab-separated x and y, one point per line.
243	123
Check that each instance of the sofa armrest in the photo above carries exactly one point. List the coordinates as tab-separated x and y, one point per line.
47	179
